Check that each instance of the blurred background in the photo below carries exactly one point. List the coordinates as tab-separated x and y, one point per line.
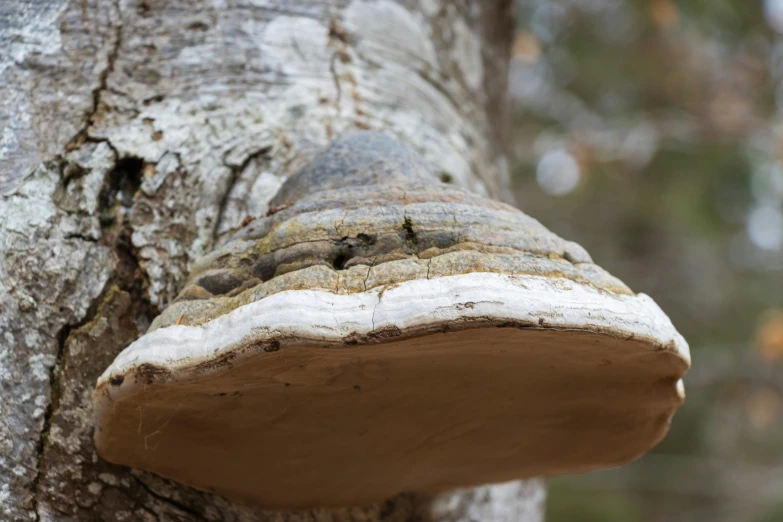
651	132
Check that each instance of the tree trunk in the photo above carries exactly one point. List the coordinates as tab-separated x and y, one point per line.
135	133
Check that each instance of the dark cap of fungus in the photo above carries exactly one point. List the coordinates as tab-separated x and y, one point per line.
383	332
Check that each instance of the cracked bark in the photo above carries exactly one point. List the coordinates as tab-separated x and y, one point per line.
135	134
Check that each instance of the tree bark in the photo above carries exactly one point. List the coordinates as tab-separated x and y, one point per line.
135	133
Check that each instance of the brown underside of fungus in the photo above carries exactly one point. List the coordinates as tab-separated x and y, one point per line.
381	332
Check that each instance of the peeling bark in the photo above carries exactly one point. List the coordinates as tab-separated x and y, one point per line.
138	132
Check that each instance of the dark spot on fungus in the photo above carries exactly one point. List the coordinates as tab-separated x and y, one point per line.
445	177
272	346
356	387
250	283
541	321
351	339
117	380
385	333
410	235
339	262
219	283
265	267
148	373
220	361
440	239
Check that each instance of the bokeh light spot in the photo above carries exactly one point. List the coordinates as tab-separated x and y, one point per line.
765	227
557	173
773	11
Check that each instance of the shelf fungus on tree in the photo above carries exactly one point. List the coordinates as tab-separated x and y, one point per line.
380	331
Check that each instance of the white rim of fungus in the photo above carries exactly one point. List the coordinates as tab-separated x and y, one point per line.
320	317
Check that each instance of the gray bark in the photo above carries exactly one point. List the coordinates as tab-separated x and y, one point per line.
134	133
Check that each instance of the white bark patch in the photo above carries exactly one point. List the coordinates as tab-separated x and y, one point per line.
39	238
506	506
406	92
467	54
109	479
51	59
51	269
429	7
166	165
387	27
32	338
295	46
37	34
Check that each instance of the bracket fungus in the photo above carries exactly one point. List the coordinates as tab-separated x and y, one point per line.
380	331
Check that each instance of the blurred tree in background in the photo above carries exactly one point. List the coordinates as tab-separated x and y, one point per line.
651	132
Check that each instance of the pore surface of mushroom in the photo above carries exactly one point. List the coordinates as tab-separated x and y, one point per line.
381	332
